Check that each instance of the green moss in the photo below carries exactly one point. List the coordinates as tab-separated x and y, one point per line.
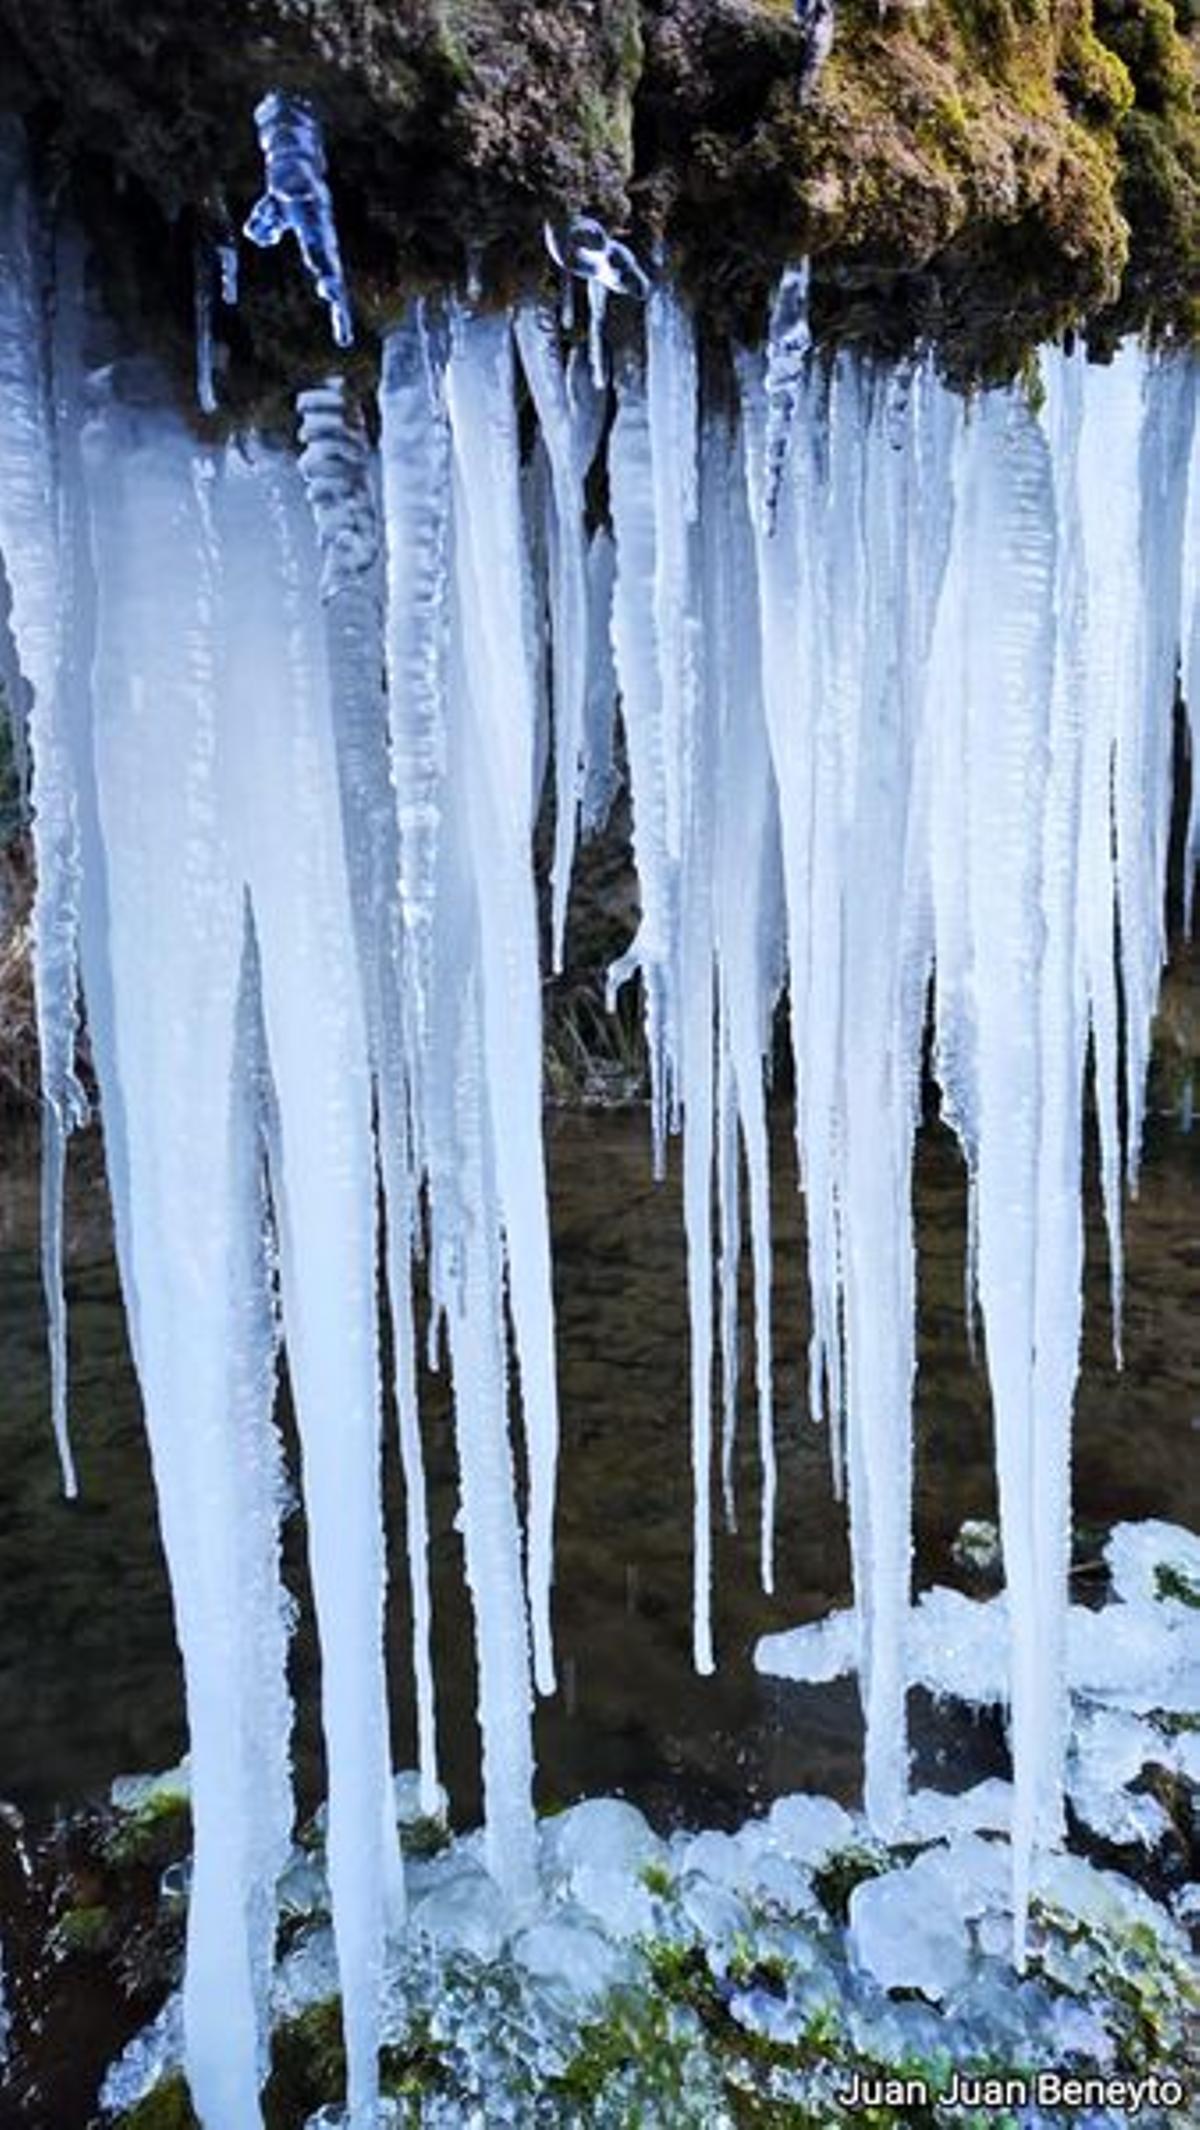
1148	1993
167	2107
308	2066
424	1837
1171	1582
157	1833
82	1933
657	1880
412	2067
835	1880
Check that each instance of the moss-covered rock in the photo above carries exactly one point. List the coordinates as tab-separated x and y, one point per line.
167	2107
972	170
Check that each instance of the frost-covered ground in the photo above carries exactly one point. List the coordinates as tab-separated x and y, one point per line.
745	1978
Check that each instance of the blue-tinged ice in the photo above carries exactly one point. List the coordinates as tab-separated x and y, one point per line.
583	248
38	544
297	198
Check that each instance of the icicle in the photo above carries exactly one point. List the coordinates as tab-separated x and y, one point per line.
182	1050
1108	504
597	305
635	651
227	269
335	465
38	551
749	929
1142	769
600	775
788	343
816	22
493	589
297	198
1189	642
202	269
415	450
570	414
284	809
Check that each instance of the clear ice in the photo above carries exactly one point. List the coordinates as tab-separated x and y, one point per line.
894	678
297	198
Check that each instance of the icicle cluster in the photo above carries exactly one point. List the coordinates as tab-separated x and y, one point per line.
895	677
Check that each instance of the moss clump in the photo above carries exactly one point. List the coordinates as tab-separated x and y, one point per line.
167	2107
308	2066
1171	1582
1147	1990
424	1837
636	2040
155	1834
836	1878
83	1933
1159	141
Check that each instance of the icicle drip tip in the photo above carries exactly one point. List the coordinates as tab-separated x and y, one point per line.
206	389
297	198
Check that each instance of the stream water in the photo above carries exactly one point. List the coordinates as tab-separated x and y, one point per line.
89	1674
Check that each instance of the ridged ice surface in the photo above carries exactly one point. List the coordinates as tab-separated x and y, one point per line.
894	678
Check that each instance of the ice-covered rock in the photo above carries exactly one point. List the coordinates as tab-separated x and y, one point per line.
1109	1748
1153	1559
466	1913
605	1833
410	1803
133	1793
805	1829
567	1952
815	1653
986	1808
908	1928
157	2050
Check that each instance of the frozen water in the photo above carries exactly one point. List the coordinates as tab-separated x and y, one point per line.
467	1913
603	1833
894	683
297	198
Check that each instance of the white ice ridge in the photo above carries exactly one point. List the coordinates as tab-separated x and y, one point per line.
895	678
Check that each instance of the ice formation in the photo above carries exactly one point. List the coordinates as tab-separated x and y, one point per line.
895	680
297	198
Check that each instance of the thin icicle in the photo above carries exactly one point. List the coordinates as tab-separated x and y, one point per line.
37	544
570	412
335	464
1142	769
635	640
494	590
1108	501
601	778
1189	645
202	272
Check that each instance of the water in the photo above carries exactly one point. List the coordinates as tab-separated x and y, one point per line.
89	1676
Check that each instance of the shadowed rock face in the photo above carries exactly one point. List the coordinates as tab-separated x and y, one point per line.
968	170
